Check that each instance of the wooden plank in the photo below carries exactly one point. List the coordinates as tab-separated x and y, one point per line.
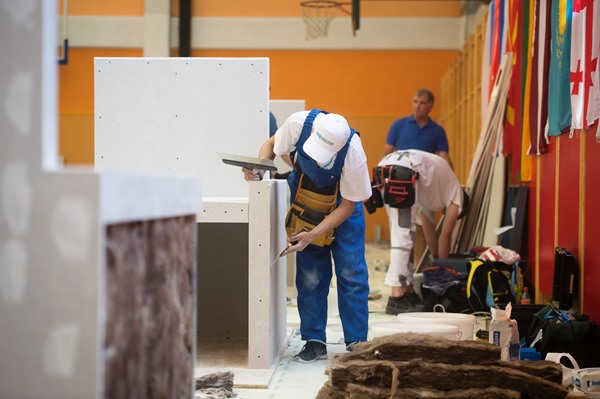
496	203
478	183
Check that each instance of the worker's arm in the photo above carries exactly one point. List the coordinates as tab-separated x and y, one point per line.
333	220
288	160
429	234
265	152
388	149
445	238
446	156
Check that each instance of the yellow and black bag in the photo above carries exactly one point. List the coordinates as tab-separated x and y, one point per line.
309	208
490	284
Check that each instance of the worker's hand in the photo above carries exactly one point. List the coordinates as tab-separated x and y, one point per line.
299	241
253	174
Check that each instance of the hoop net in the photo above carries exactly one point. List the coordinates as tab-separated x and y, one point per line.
317	15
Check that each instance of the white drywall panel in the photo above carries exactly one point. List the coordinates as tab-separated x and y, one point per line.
266	278
282	109
171	115
224	210
52	224
48	244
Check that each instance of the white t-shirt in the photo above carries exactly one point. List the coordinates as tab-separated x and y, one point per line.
437	186
355	184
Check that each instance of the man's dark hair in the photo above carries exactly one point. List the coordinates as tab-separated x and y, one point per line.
426	92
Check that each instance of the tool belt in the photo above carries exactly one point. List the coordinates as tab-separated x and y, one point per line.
375	201
309	208
397	183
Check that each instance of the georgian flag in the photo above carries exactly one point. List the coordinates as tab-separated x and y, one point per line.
585	49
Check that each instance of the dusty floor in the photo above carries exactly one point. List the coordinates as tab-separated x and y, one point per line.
292	380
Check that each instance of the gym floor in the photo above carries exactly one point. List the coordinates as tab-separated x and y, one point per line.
293	380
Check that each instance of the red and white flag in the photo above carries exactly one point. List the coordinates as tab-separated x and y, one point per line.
585	49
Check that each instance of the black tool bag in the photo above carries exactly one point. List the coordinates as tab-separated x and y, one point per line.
564	332
565	277
397	183
375	201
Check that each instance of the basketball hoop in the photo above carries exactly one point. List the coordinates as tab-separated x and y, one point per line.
317	14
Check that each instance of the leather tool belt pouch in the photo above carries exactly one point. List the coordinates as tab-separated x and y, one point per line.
308	209
398	184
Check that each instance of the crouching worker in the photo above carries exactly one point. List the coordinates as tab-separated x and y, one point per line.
411	181
328	185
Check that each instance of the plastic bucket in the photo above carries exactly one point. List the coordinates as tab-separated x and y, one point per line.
464	322
440	330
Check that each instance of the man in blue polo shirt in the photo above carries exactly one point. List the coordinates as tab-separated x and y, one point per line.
418	131
415	132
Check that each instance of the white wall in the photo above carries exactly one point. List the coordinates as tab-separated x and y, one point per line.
52	223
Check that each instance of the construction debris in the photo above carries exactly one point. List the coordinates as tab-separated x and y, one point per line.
409	365
214	386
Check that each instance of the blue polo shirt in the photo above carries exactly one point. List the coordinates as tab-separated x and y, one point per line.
405	134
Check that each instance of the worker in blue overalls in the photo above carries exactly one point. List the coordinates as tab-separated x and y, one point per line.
328	185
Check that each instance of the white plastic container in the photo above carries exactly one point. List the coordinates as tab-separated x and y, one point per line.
588	381
440	330
464	322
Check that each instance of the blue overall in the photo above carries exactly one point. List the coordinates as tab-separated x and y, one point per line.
314	266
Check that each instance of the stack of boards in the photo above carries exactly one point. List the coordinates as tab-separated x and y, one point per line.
486	181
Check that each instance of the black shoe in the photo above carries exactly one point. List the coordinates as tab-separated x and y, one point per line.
402	304
352	345
311	352
414	298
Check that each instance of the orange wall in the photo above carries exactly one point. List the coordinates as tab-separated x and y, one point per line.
76	103
291	8
103	7
264	8
371	88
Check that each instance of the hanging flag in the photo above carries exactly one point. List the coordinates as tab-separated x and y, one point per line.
496	45
538	106
559	100
528	34
493	48
585	94
504	37
512	121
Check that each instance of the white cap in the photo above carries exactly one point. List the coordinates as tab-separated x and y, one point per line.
329	134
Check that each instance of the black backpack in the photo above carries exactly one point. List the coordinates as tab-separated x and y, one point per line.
565	332
491	284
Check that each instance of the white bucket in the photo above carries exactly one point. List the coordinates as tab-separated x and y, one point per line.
439	330
464	322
